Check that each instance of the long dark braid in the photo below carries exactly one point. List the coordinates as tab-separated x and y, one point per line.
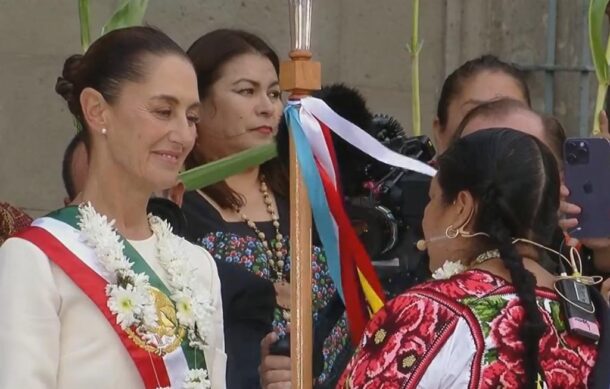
515	182
533	326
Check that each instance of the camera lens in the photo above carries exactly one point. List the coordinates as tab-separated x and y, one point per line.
582	154
572	158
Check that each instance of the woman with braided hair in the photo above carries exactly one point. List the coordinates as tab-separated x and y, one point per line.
492	317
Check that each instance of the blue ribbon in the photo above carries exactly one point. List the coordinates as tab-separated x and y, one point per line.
315	191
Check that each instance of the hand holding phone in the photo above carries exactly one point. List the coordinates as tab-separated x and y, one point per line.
275	367
587	175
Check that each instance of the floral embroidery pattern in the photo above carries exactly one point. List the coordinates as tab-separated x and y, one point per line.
248	251
402	340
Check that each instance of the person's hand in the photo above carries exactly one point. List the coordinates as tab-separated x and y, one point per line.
274	369
568	210
570	222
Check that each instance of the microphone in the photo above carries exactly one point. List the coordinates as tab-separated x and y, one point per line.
422	244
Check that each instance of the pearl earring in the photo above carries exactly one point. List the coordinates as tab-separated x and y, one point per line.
104	131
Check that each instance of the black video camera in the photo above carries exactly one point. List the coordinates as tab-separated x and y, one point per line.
388	213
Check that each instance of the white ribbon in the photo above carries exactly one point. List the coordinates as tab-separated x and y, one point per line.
313	133
360	139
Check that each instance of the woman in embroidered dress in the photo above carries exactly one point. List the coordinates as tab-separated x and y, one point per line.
87	302
499	323
514	114
244	220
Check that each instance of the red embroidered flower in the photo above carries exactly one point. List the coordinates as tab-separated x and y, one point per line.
586	350
549	339
400	337
561	369
500	375
395	341
505	329
478	282
469	283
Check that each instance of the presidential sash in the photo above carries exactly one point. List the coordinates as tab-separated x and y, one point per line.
58	236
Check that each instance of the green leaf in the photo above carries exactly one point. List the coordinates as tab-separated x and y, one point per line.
490	356
217	171
85	30
414	49
129	13
558	322
486	309
597	14
485	328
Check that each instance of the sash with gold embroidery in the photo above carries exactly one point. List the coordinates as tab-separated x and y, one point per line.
162	355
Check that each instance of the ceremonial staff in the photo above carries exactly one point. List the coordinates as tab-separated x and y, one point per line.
299	76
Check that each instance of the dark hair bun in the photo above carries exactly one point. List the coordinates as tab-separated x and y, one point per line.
65	83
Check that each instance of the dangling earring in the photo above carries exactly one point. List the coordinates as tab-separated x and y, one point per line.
451	232
104	131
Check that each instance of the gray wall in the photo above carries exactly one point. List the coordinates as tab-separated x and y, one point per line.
359	42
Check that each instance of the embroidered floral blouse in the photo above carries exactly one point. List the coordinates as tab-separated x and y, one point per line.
464	333
234	245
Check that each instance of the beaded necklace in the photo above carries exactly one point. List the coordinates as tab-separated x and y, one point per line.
275	256
274	252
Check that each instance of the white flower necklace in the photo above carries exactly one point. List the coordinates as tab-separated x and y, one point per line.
448	270
129	293
451	268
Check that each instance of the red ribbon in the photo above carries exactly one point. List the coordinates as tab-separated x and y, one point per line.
151	367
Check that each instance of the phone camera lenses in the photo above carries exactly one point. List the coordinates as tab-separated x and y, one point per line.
572	158
577	153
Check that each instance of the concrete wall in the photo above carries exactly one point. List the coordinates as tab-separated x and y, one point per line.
359	42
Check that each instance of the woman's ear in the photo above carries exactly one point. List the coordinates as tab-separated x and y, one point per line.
94	108
465	209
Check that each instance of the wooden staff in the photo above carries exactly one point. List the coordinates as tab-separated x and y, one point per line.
299	76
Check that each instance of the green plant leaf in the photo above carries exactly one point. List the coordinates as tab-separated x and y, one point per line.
129	13
558	322
217	171
85	29
597	14
414	49
490	356
486	309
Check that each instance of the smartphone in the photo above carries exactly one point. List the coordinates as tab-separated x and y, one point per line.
587	176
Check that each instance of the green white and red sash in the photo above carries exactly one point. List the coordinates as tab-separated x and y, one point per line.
58	236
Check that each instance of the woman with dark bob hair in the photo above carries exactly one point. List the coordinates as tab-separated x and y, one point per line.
101	294
244	221
492	317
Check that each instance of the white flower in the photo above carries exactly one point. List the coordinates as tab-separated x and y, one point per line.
125	303
149	316
197	379
139	279
131	301
449	269
184	308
